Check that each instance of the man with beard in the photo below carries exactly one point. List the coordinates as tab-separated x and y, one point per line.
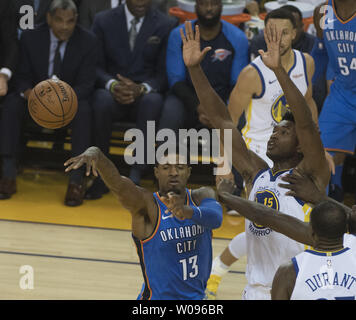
264	104
172	228
229	55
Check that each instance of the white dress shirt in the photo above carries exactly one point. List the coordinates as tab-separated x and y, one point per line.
52	51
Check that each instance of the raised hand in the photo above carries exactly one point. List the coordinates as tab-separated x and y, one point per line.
192	55
89	157
272	58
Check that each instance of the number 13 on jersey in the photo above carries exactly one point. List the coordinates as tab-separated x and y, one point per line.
191	264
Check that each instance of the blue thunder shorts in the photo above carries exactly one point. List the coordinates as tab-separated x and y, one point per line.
337	122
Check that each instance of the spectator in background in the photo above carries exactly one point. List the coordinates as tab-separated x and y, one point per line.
164	5
61	48
89	8
8	62
229	55
8	46
40	9
131	75
303	41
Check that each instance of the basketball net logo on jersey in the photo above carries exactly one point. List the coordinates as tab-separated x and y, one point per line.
268	198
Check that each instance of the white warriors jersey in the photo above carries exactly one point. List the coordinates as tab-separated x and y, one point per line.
268	109
350	241
268	249
325	275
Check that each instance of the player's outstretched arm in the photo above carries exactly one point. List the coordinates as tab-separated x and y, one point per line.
125	190
314	162
214	108
263	215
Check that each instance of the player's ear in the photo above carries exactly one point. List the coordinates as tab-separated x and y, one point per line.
294	33
189	171
156	171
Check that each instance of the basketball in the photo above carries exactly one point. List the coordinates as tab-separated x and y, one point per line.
52	104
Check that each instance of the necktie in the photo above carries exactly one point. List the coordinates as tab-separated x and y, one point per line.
133	33
57	61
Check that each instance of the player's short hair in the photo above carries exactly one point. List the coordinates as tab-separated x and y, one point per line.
281	14
288	116
329	220
293	9
352	223
62	4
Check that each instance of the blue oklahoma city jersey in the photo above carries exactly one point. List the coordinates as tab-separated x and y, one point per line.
340	42
176	259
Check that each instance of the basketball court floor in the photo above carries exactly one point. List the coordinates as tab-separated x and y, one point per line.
84	252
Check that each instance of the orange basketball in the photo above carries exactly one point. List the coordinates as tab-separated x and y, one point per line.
52	104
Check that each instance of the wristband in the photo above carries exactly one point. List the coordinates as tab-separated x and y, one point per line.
114	83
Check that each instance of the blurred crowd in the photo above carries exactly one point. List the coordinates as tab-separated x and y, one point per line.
124	61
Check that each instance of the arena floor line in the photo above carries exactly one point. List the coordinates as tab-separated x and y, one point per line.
71	262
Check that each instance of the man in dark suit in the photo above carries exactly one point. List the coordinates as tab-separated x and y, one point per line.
8	46
65	50
89	8
131	75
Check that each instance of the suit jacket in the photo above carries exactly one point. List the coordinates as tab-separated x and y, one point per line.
147	61
8	36
89	8
78	64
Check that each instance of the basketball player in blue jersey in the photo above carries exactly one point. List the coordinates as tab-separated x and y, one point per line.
337	29
294	144
172	228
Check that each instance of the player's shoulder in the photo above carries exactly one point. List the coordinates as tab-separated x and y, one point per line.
249	74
